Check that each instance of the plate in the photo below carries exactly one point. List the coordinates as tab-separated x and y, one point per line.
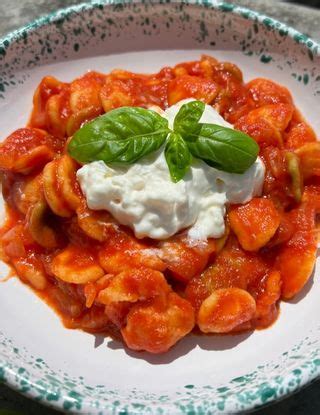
80	372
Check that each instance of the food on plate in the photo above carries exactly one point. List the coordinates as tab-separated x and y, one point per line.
148	206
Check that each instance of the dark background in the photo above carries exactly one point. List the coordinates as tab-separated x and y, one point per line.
310	3
304	402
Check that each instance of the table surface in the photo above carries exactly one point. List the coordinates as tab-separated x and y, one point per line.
15	13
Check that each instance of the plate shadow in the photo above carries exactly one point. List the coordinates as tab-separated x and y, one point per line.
204	342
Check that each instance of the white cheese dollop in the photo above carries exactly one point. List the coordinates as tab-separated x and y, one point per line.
143	196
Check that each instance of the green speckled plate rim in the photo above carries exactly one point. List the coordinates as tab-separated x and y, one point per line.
244	12
304	371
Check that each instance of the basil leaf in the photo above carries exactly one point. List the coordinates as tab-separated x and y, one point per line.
178	157
186	122
122	135
224	148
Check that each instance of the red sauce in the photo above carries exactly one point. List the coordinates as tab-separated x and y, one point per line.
98	277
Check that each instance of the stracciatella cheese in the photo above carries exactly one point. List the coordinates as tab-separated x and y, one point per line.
143	196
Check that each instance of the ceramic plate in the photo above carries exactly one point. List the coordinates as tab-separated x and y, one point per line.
80	372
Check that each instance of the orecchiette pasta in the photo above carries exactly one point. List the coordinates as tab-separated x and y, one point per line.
97	225
76	265
27	192
27	150
98	276
40	231
225	309
67	183
60	187
31	271
134	285
52	191
157	325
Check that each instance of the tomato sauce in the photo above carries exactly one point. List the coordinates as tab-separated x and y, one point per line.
98	277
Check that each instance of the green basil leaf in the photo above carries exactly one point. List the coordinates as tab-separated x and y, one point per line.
186	122
122	135
224	148
178	157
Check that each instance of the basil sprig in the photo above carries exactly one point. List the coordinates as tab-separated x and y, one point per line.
122	135
126	134
178	156
224	148
186	122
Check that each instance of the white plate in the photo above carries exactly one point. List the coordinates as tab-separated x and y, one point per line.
202	374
